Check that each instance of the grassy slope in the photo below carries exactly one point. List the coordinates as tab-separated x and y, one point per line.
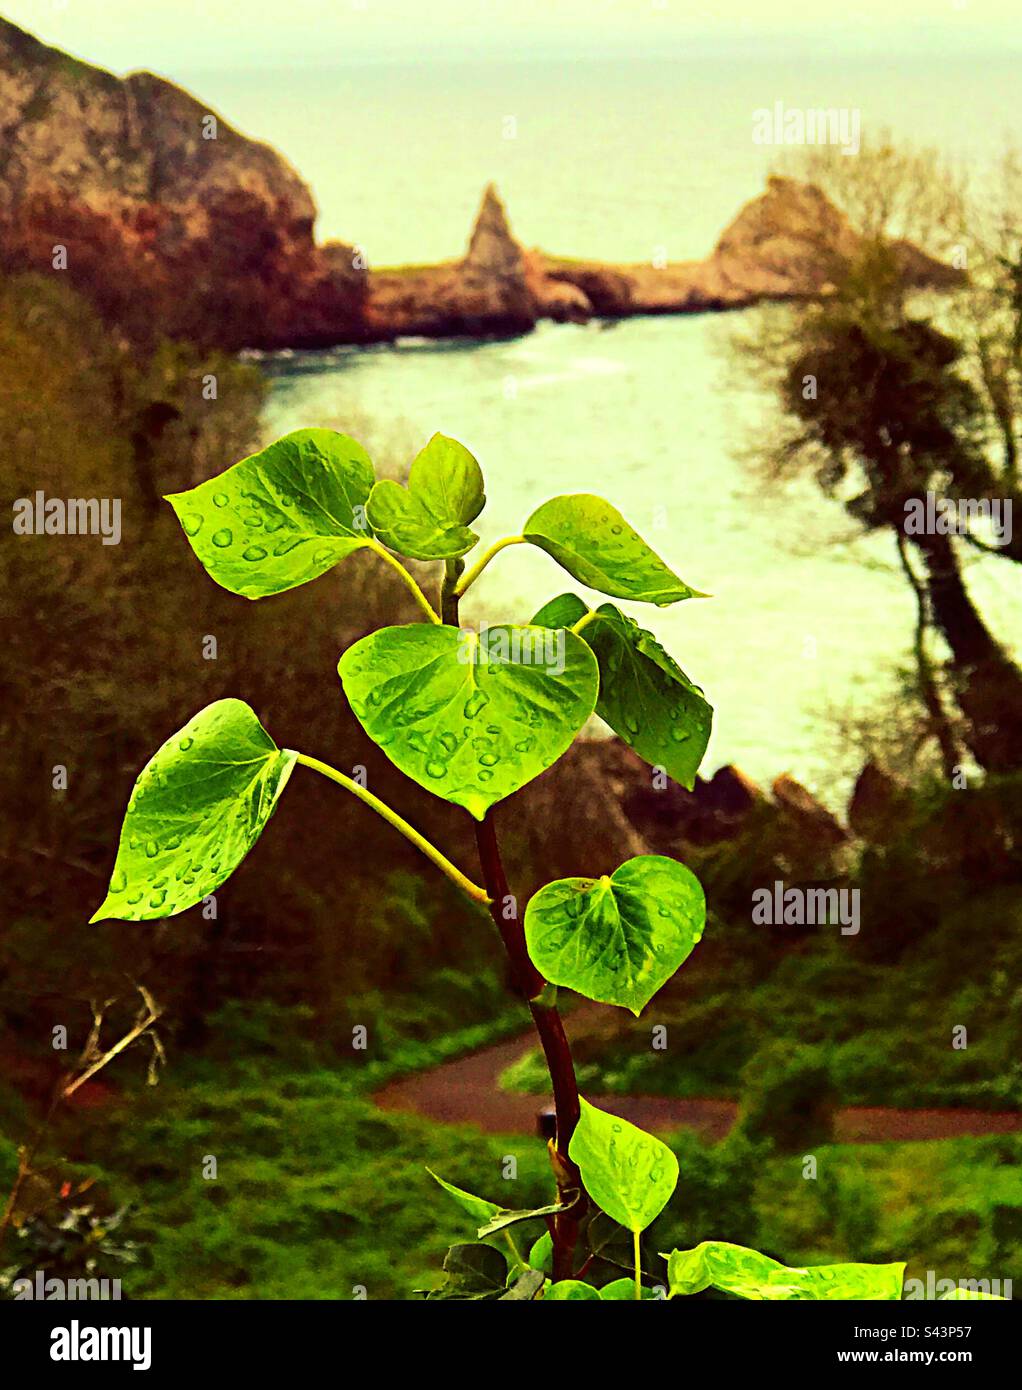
318	1192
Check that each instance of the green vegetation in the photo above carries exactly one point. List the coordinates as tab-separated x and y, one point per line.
320	1193
279	519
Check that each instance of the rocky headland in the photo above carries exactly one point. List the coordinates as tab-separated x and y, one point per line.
785	244
171	221
175	224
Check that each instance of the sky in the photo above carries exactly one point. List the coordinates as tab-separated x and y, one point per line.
169	36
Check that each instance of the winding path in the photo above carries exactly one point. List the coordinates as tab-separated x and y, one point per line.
465	1091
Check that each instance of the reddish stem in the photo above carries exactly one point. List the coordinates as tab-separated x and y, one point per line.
545	1015
553	1038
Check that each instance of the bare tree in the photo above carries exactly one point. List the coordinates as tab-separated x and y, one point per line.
887	396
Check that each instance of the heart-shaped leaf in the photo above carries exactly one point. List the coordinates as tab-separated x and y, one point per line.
594	543
472	1272
628	1173
478	1208
735	1269
198	807
618	938
645	696
471	716
623	1290
429	519
575	1291
280	517
571	1291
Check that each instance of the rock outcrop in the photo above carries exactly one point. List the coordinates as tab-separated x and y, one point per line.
736	836
172	222
880	805
786	244
175	224
488	292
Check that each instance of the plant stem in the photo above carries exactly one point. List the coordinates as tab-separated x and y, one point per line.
584	621
547	1019
516	1254
527	978
400	824
638	1266
540	996
483	561
453	570
406	578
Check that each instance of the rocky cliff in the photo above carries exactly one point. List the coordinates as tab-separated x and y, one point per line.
172	221
177	225
786	244
487	292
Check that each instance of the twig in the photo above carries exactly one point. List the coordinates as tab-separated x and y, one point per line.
66	1087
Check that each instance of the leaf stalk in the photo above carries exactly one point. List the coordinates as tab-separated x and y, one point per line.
406	579
473	574
381	808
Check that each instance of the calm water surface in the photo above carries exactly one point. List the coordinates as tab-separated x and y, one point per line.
807	615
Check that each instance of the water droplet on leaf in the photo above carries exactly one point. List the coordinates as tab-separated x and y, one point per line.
475	703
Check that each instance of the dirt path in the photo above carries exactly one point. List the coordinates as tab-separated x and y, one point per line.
464	1091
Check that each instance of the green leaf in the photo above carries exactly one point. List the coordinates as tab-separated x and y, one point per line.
623	1290
645	696
478	1208
571	1291
628	1173
472	1272
594	543
471	717
506	1217
961	1293
618	938
541	1256
198	807
563	611
280	517
746	1273
429	519
525	1287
